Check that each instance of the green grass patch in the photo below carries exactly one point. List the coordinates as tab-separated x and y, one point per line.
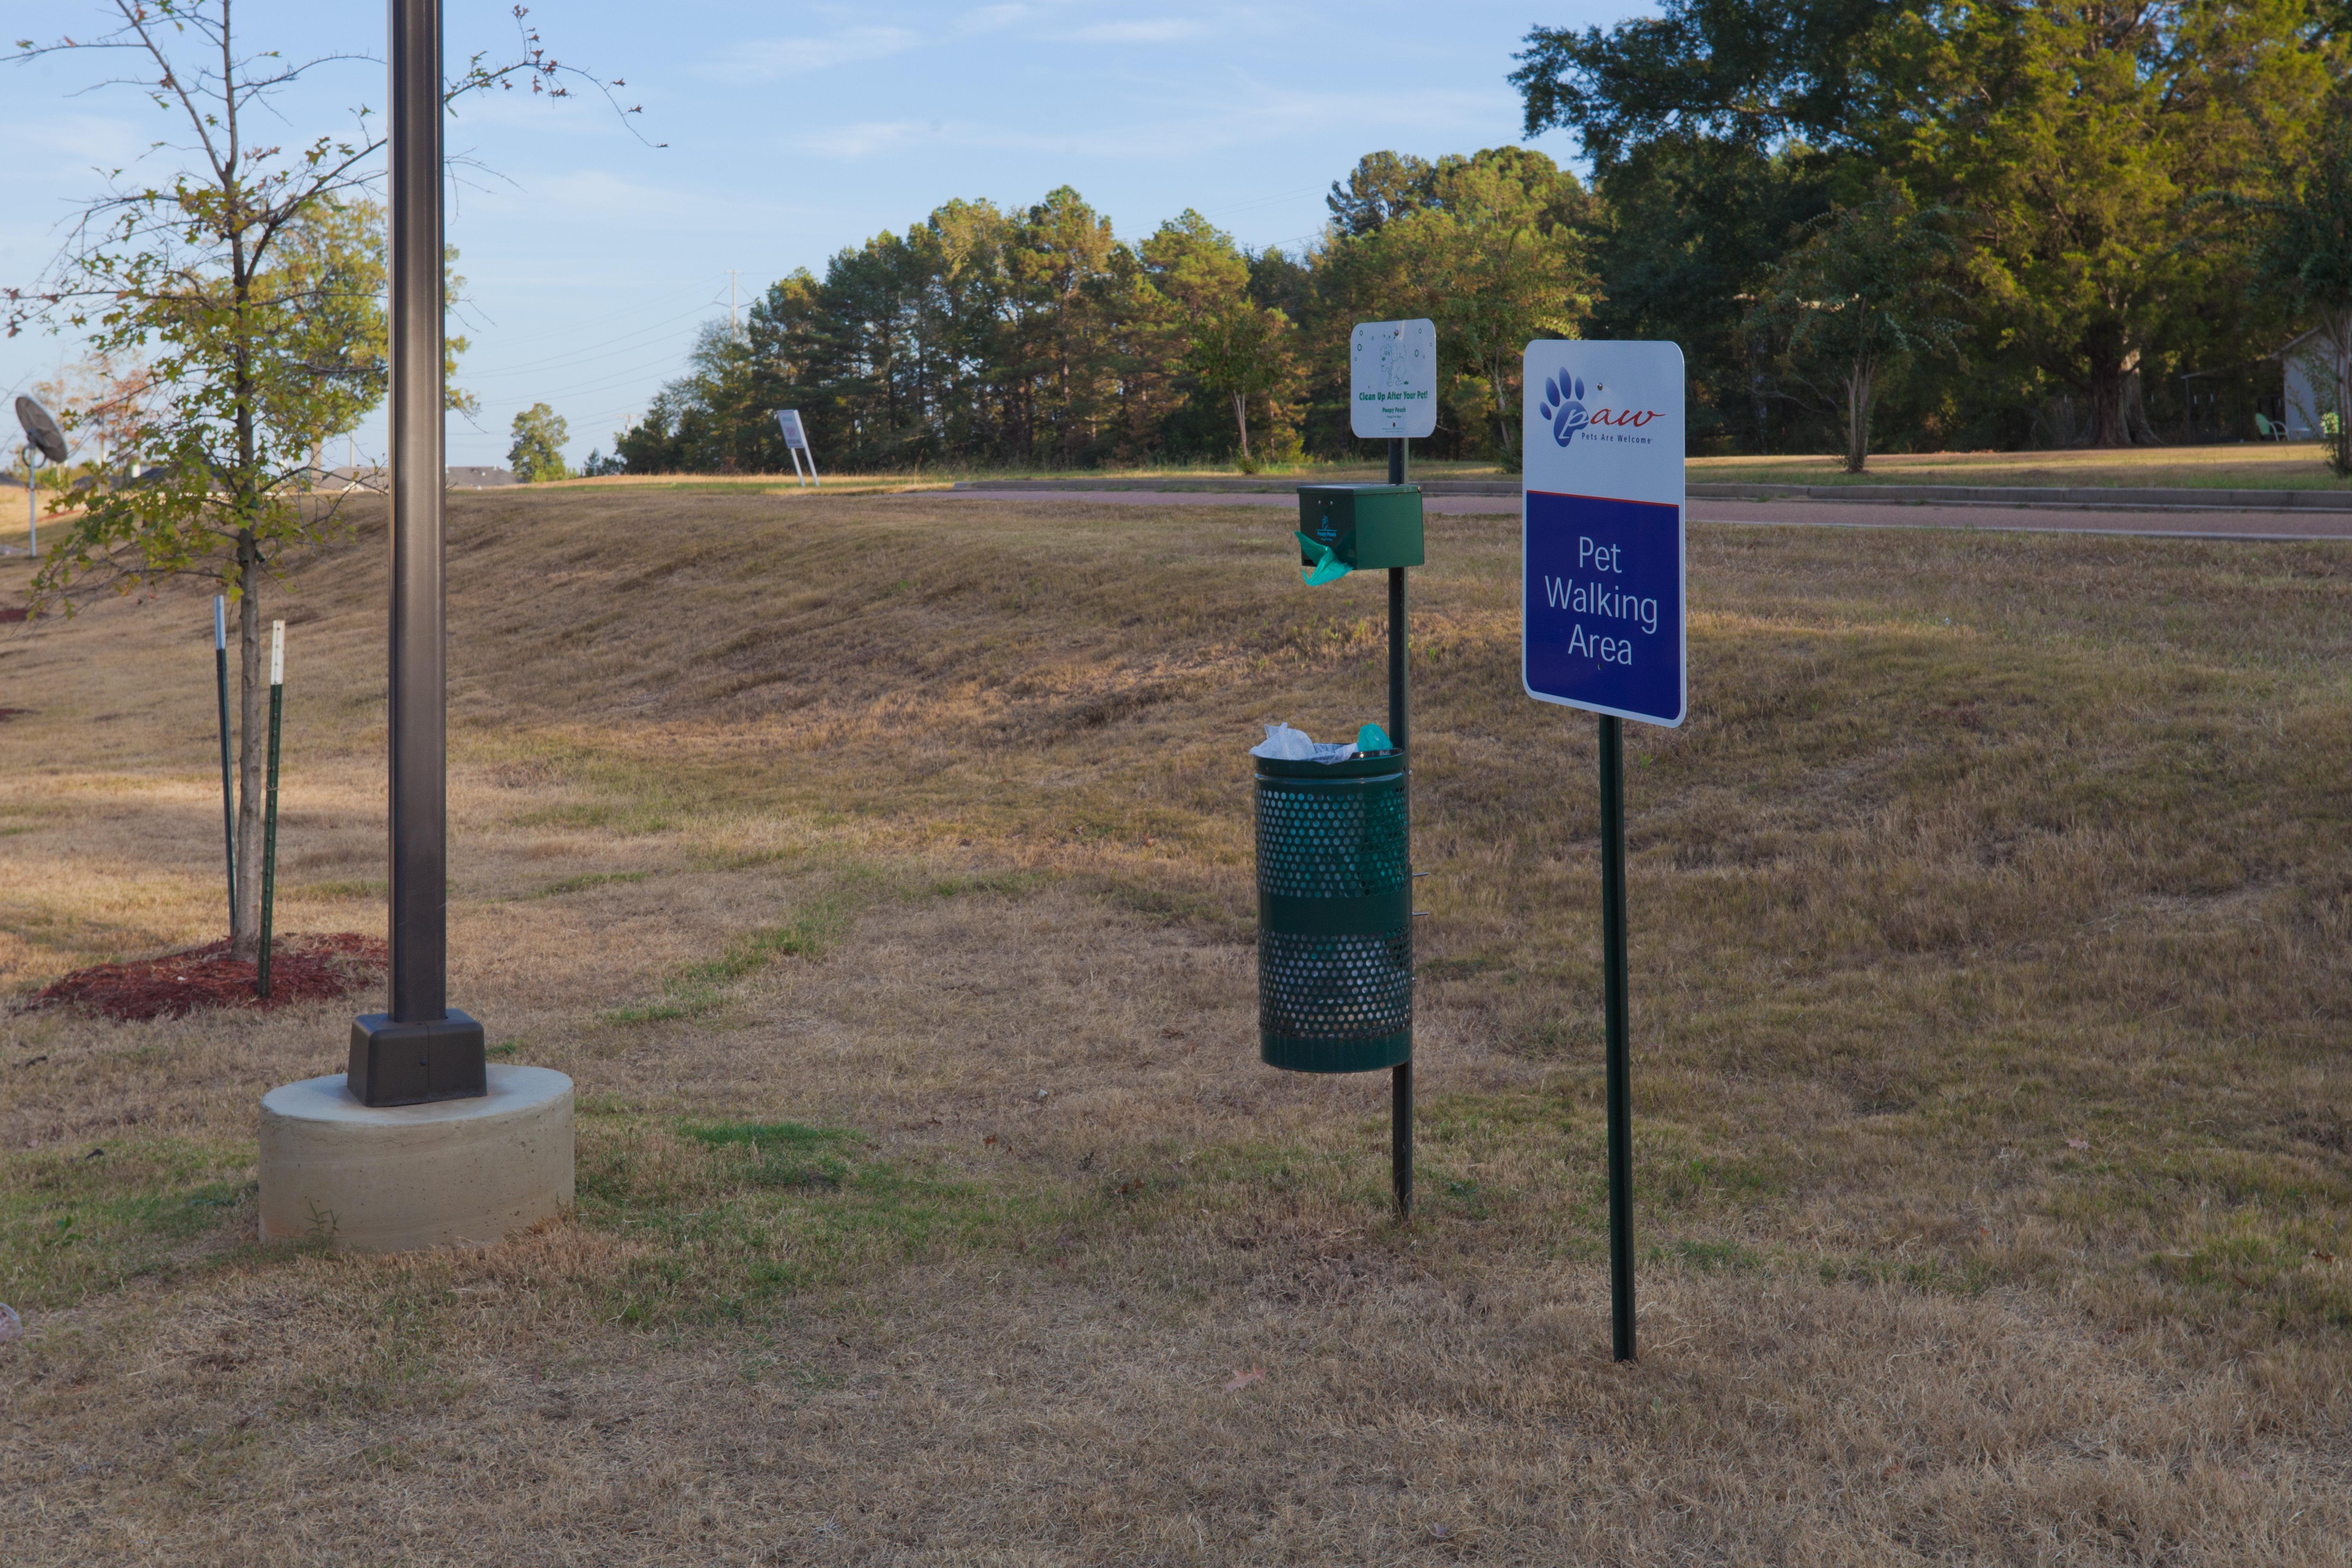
700	989
1710	1257
622	818
584	881
334	891
734	1216
1004	884
73	1222
783	1153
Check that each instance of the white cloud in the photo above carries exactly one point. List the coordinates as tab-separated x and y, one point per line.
989	18
865	139
1167	30
64	149
763	60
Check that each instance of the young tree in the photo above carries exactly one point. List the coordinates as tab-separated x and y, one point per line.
1861	291
1234	348
1241	352
537	454
205	272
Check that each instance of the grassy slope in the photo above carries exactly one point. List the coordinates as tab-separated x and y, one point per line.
2252	465
879	868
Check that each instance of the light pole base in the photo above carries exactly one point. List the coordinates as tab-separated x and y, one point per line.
398	1178
408	1064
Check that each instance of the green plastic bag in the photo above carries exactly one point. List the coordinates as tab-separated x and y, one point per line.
1327	567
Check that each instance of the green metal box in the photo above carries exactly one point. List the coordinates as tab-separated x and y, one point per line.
1368	527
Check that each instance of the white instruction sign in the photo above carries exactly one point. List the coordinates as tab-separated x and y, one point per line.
795	436
1393	379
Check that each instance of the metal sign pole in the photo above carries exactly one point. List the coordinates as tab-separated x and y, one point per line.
1619	1077
417	1050
269	806
1400	725
228	792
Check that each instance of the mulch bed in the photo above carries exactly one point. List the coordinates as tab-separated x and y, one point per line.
307	968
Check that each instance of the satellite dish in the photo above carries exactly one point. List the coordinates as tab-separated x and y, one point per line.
41	429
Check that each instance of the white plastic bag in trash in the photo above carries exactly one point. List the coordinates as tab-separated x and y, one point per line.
1284	744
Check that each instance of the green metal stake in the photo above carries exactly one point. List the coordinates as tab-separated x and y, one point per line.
1612	1003
1400	726
228	795
270	807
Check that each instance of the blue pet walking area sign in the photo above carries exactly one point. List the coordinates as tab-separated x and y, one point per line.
1602	529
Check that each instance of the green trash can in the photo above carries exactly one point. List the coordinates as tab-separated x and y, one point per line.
1333	914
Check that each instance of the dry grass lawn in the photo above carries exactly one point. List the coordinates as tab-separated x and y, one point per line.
878	866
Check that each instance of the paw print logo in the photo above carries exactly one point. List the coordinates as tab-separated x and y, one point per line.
1563	406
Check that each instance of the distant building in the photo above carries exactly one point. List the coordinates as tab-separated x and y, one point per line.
479	478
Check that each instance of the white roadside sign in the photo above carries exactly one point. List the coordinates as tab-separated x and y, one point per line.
1393	379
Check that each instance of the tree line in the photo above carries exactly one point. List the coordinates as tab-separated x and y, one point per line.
1035	335
1869	223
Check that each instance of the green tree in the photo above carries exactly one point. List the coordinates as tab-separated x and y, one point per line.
1231	347
328	273
2077	137
217	275
537	454
1715	128
1865	289
1382	185
2302	247
1494	259
1242	353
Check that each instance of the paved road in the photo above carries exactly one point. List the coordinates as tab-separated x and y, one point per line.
1829	514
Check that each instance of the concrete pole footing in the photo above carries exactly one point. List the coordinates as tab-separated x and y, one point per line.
396	1178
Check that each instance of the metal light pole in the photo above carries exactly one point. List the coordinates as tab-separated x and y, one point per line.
419	1048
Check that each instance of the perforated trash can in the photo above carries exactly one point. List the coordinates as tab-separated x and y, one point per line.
1333	914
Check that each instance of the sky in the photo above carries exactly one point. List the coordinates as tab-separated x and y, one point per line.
594	245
